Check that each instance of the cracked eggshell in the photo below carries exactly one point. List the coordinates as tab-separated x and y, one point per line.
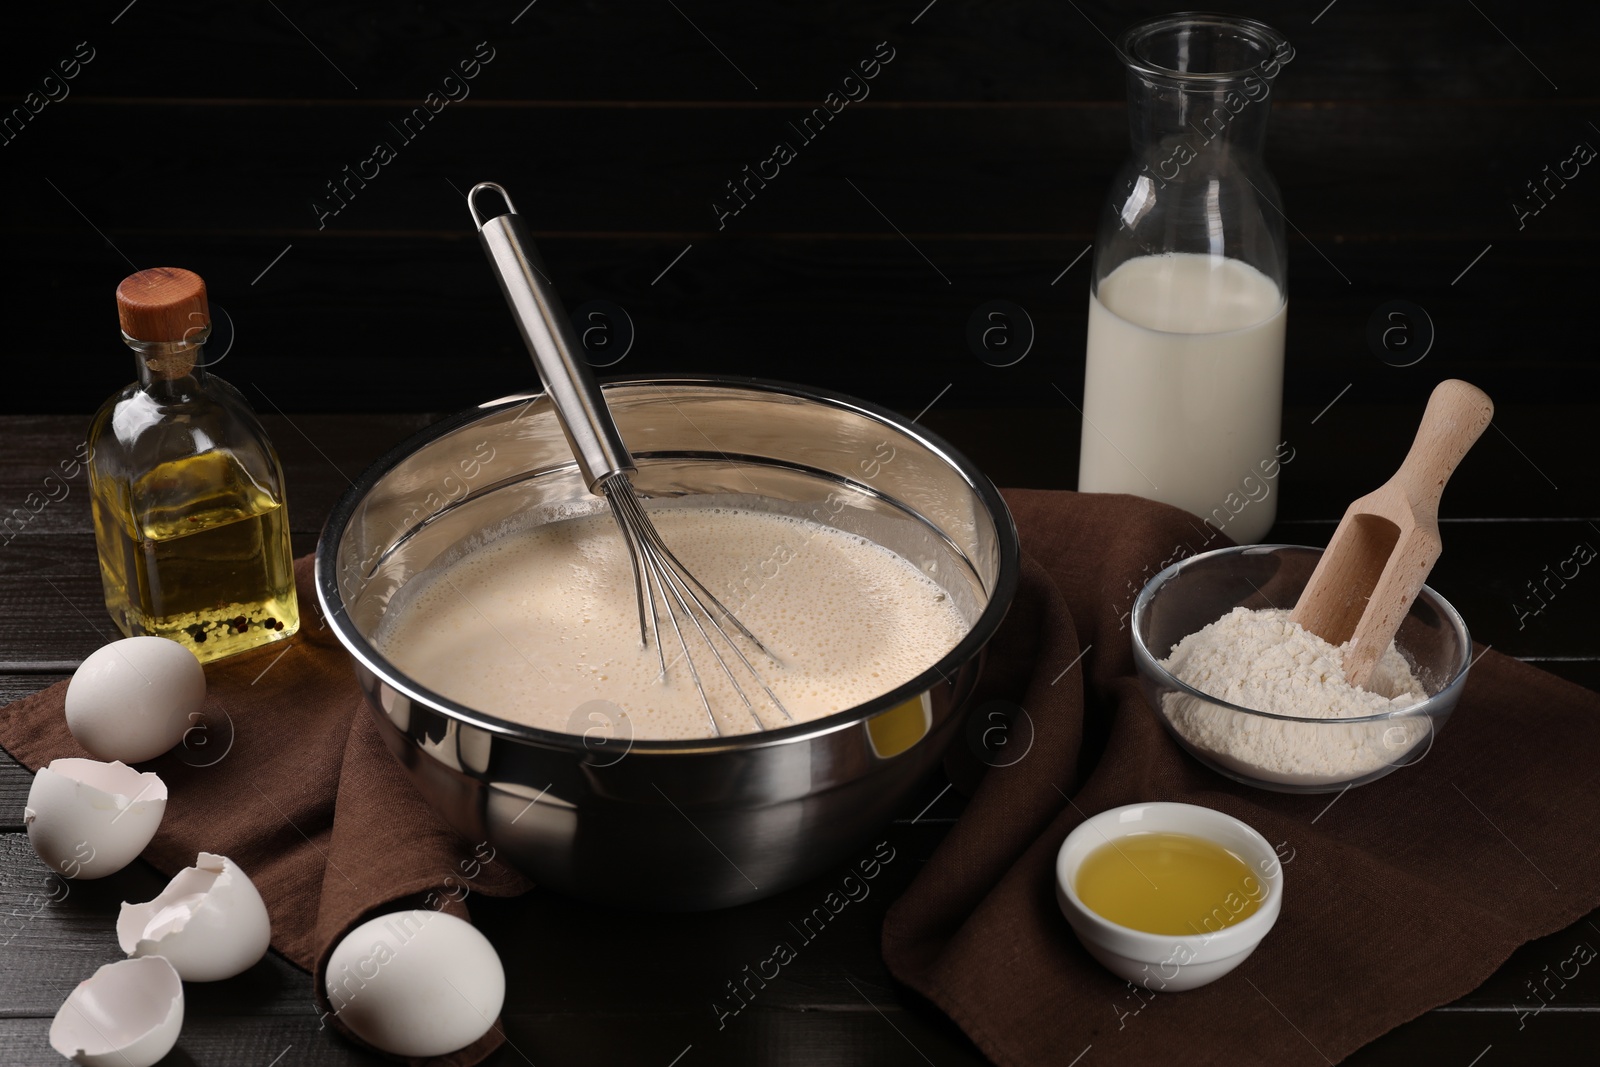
126	1014
416	983
132	700
209	922
88	819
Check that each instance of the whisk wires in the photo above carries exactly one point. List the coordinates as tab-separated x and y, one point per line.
658	576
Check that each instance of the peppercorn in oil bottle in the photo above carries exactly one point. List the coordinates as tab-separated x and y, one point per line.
187	491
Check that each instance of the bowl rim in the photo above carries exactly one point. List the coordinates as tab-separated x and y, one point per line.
1000	596
1146	660
1244	932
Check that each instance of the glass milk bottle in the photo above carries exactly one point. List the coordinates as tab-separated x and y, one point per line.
187	491
1183	388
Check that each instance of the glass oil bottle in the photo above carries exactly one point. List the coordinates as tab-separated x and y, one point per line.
188	498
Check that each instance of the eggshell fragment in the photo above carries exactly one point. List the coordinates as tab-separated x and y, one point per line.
132	700
209	922
416	983
88	819
126	1014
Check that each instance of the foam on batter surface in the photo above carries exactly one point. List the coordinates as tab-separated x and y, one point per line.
535	625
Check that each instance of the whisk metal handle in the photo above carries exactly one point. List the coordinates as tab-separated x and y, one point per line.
556	349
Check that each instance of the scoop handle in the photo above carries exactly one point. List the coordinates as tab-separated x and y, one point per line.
1457	414
552	342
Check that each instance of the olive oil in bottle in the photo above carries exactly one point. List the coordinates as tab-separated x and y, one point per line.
187	491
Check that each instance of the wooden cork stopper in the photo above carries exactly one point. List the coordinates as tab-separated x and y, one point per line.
163	304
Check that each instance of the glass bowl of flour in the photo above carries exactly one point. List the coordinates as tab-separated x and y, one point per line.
1260	700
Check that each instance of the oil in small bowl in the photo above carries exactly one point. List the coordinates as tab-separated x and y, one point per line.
1168	883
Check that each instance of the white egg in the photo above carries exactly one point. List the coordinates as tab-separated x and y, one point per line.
88	819
132	700
126	1014
416	983
210	922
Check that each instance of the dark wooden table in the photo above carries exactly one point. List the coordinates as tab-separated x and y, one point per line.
589	986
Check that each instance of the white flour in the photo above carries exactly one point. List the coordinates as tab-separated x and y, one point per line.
1261	660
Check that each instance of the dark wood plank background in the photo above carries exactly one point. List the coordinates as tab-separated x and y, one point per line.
199	135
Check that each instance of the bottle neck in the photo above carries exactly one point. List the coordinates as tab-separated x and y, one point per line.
1214	118
1200	86
170	368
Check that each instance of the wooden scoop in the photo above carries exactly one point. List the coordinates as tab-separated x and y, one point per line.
1388	540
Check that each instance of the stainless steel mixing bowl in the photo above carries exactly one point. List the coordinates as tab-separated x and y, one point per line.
670	825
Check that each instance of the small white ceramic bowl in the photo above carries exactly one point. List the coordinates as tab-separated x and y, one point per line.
1168	963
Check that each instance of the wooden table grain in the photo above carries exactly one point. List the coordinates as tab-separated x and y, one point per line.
586	985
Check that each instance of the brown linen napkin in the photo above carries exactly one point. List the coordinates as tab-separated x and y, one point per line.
1399	896
286	775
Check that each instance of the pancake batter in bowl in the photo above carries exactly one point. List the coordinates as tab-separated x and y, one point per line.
542	620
